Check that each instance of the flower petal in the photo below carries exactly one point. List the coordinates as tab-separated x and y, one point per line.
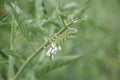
48	52
53	45
59	48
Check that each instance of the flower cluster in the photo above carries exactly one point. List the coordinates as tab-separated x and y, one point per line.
52	51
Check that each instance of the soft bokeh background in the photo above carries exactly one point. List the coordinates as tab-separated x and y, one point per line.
98	37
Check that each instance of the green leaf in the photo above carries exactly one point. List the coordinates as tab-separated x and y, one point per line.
13	54
48	65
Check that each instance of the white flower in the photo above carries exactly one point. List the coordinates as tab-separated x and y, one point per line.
49	52
53	50
53	45
59	48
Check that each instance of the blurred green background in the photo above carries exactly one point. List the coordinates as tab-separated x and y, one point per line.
98	37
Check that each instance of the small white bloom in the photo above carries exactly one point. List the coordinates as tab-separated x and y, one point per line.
55	49
59	48
53	45
48	52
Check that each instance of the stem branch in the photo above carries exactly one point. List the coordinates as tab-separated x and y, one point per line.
35	54
38	51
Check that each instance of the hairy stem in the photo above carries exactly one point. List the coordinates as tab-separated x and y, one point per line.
11	60
32	57
37	52
24	65
41	48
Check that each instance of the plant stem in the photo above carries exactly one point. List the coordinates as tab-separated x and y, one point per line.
38	51
63	21
29	60
10	74
11	60
34	55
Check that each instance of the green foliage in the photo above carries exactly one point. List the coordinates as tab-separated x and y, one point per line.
6	53
39	29
28	28
48	65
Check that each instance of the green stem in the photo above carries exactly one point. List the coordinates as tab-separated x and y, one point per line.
63	21
35	54
11	68
11	60
38	51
